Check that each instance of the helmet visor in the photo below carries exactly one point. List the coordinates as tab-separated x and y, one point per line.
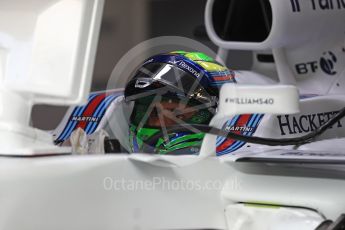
162	78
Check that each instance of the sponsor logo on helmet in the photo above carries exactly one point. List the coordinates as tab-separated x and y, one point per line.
185	66
189	68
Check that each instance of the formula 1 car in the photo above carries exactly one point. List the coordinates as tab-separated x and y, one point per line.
272	156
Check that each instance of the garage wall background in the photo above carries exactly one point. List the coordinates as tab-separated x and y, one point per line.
126	23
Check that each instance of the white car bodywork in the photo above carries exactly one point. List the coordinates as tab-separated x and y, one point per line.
81	192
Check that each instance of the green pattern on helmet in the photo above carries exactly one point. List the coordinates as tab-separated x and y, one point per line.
182	52
180	146
186	141
185	138
143	134
140	135
197	56
194	56
179	139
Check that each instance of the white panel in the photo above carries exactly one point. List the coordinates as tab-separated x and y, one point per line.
50	47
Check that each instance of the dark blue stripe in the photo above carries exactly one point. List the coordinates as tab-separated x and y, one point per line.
100	113
67	126
221	139
250	124
72	124
94	113
234	145
256	122
258	118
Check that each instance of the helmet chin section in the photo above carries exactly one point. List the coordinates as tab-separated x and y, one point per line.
145	140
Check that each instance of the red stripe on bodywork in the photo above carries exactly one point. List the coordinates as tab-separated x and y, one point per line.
91	109
242	121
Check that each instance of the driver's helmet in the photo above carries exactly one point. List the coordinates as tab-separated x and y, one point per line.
169	91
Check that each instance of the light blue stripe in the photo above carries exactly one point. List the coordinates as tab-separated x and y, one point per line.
232	122
236	142
101	114
89	125
100	111
72	124
90	128
234	145
238	145
232	148
75	112
103	105
252	120
250	124
258	118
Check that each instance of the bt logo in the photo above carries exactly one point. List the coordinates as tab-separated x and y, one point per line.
326	64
